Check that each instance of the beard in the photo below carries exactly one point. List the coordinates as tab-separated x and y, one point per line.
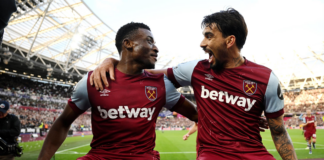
217	66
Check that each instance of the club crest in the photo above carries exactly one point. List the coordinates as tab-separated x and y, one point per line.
249	87
151	93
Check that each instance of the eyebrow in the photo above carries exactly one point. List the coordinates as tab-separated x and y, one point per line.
208	33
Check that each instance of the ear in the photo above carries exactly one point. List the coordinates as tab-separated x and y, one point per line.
128	44
230	41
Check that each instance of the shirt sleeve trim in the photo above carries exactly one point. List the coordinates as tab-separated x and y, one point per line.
74	107
275	114
172	78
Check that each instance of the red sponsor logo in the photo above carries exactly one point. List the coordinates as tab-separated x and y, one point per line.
151	93
249	87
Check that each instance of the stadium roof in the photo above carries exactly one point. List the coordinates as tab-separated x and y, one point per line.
306	64
65	31
69	33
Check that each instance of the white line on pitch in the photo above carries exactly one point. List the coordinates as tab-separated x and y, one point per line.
72	148
270	150
295	142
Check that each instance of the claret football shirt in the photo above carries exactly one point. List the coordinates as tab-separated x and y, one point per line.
230	102
124	114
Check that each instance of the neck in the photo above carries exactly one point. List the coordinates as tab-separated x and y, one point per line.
235	59
129	66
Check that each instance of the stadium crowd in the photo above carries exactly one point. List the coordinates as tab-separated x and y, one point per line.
26	92
298	102
30	118
295	121
173	122
20	91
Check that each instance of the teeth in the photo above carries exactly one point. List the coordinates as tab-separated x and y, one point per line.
211	59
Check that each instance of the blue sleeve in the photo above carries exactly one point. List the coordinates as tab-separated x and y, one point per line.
304	120
182	73
274	101
301	117
172	95
80	95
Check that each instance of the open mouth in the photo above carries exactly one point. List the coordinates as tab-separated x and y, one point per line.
211	56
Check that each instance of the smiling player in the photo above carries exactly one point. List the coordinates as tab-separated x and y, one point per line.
124	114
231	93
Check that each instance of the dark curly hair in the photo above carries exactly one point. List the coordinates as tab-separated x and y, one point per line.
127	31
229	22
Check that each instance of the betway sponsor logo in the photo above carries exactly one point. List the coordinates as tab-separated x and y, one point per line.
224	97
130	113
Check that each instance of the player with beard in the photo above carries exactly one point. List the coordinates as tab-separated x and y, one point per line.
310	130
231	93
123	114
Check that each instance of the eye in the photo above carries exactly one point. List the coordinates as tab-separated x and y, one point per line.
150	41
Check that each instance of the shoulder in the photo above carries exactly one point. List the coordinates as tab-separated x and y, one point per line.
193	64
256	66
159	76
261	73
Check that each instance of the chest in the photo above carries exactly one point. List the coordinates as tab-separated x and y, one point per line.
132	99
239	90
310	119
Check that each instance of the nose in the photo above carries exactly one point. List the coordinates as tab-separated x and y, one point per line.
155	49
203	43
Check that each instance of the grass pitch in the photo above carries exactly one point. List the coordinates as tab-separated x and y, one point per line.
171	146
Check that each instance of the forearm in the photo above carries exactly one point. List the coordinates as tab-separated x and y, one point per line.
284	146
192	129
281	139
187	109
54	139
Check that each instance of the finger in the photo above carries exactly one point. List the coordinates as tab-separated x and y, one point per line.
91	78
98	81
104	78
112	73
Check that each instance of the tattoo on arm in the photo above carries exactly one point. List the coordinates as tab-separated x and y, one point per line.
281	139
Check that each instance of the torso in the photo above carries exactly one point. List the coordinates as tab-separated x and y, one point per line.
229	116
139	100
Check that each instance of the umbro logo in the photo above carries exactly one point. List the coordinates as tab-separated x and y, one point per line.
104	92
209	77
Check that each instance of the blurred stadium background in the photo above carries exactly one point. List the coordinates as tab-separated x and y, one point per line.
50	44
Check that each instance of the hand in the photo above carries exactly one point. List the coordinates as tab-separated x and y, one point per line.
186	136
263	123
108	65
